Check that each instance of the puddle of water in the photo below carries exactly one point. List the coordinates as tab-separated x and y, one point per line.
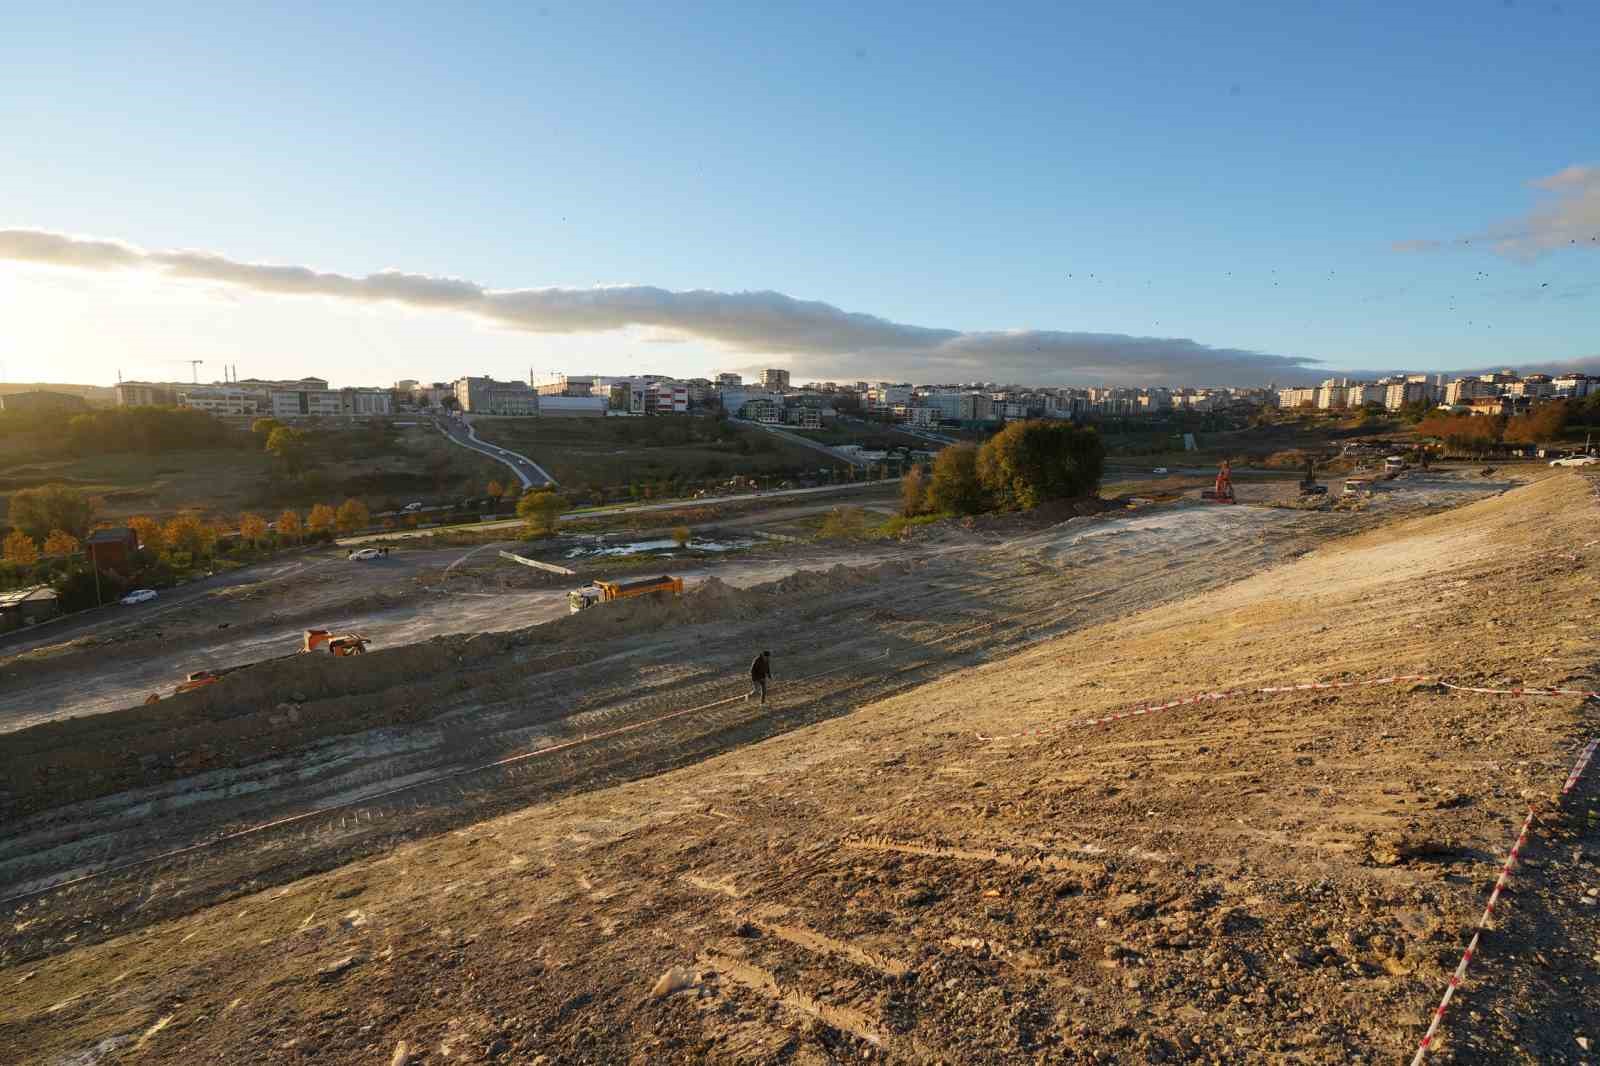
597	549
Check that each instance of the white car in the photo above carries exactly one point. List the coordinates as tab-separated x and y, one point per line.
1159	470
138	596
417	506
1577	460
364	554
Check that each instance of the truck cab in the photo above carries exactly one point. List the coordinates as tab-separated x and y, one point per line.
588	596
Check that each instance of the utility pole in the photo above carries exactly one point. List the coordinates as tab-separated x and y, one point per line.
194	369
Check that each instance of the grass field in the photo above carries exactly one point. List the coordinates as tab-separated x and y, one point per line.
622	451
382	470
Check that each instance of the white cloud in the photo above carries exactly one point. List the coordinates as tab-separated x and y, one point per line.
817	339
1567	217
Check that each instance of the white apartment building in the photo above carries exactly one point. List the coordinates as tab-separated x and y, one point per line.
883	394
729	381
366	402
1400	393
1293	398
1465	390
667	398
1362	393
486	396
222	399
1575	385
306	403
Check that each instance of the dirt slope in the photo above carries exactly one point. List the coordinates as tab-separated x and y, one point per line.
1261	879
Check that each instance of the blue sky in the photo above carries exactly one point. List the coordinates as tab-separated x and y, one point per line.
1234	176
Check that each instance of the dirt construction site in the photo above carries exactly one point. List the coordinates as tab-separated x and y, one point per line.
1178	783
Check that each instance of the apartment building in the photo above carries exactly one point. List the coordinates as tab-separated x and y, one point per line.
775	379
146	394
223	399
486	396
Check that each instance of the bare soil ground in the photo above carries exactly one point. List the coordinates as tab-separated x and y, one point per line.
917	852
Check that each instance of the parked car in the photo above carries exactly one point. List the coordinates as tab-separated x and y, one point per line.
361	555
1577	460
1159	470
414	506
138	596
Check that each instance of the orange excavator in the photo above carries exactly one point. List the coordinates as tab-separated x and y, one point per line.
1223	492
344	644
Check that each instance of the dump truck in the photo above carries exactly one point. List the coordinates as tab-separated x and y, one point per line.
605	591
314	640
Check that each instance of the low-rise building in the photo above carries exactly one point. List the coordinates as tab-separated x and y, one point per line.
367	402
573	406
222	399
24	607
306	403
111	549
667	398
146	394
486	396
42	400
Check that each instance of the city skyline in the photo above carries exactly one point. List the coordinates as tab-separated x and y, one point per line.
623	190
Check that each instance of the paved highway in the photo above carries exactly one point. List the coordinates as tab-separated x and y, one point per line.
528	472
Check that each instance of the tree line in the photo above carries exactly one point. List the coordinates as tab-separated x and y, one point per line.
146	430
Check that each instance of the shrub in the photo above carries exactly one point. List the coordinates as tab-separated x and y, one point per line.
541	511
680	535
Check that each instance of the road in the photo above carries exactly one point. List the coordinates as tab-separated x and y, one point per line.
528	472
795	438
638	508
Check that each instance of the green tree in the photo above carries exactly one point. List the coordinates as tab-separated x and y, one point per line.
20	549
680	535
288	446
353	515
541	511
954	487
60	542
1030	462
38	510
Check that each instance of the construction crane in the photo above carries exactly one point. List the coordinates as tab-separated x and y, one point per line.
194	367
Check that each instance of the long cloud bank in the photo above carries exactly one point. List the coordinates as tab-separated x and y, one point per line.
819	339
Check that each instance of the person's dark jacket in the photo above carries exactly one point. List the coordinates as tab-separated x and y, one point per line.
761	669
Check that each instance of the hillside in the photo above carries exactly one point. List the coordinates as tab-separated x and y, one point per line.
968	870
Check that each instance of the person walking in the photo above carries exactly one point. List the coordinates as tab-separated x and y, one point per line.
760	674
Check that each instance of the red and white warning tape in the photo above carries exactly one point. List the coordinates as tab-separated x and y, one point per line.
1460	973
